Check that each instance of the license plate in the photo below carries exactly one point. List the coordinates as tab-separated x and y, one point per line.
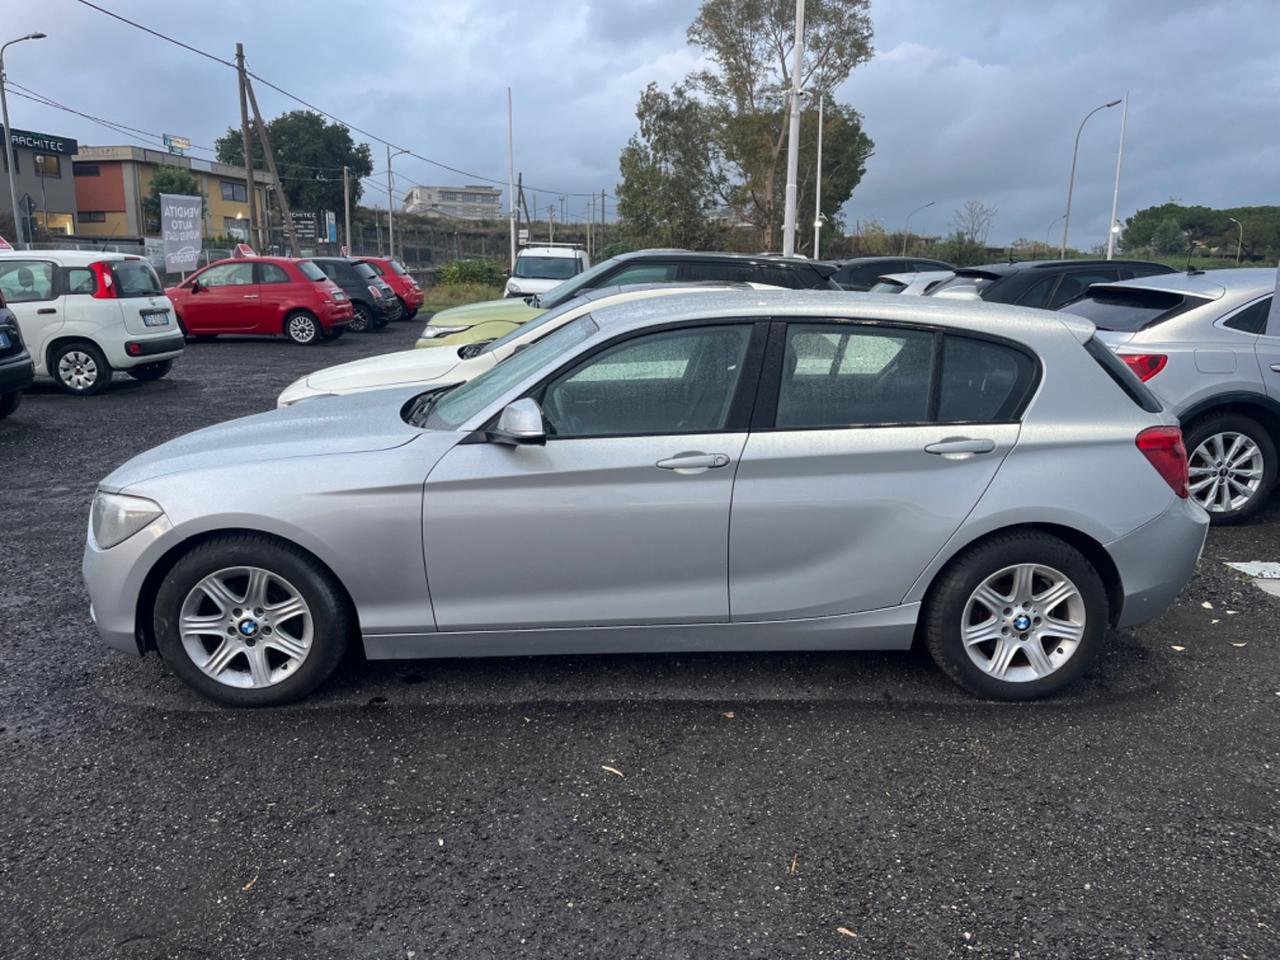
160	319
5	342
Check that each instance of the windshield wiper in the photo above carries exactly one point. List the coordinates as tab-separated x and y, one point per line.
417	410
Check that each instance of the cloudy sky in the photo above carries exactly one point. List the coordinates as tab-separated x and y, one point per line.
966	99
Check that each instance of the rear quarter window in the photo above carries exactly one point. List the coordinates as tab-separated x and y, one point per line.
311	271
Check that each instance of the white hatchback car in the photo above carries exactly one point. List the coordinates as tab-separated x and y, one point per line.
544	267
449	366
85	314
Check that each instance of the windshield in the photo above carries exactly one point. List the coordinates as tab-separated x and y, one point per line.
1128	311
365	271
545	268
526	329
310	270
135	278
463	403
583	281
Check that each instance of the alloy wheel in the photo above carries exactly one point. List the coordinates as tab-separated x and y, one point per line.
1226	471
246	627
77	370
302	329
1023	622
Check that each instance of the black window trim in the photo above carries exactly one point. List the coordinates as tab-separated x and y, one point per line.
741	407
764	418
1221	322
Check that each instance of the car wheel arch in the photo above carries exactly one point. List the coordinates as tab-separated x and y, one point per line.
1254	406
66	340
142	620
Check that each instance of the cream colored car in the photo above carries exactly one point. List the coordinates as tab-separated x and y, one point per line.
448	366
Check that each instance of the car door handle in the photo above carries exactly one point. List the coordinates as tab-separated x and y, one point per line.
47	310
1276	367
960	447
250	296
690	462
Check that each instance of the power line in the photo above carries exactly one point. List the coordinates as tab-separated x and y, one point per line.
324	113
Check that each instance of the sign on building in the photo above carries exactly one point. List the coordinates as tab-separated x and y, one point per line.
43	142
177	145
180	219
304	226
331	226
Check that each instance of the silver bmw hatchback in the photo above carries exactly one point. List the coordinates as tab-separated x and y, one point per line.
736	472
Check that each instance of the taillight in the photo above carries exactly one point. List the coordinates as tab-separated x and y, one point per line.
105	289
1163	446
377	294
1145	365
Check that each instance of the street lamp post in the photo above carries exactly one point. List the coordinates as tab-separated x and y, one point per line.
793	141
1071	184
8	137
1049	230
818	218
906	230
391	238
1115	192
1239	236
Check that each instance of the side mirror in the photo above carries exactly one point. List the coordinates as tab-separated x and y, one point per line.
519	424
195	286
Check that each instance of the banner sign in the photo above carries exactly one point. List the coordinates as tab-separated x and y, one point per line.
180	226
331	226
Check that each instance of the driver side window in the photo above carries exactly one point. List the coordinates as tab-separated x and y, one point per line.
676	381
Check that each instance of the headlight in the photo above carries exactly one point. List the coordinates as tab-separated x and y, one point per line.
431	331
115	517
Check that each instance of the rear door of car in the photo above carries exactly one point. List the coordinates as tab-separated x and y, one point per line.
1257	318
30	288
870	444
277	293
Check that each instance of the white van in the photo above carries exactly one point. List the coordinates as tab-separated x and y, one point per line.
85	314
540	268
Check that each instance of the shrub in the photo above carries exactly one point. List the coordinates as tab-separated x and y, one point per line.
487	273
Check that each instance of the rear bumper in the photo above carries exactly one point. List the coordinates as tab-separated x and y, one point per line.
336	315
17	372
1158	559
173	344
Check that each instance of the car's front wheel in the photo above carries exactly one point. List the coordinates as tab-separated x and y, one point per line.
1016	617
251	621
80	368
9	403
151	371
302	328
1231	464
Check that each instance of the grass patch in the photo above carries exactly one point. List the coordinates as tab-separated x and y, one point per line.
444	296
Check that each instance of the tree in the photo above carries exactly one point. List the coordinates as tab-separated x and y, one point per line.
310	154
1168	237
167	179
973	221
750	45
670	185
960	249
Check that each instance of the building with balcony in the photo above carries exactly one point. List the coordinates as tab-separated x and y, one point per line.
458	203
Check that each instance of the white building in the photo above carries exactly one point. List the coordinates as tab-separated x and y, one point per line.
460	203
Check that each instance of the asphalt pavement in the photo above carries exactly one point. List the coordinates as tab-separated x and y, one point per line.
694	806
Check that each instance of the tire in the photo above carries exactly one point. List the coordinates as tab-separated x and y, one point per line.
333	333
254	671
405	312
1209	441
411	314
361	319
79	368
151	371
1001	667
9	403
302	328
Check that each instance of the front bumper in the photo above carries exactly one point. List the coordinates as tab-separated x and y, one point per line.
17	372
114	580
388	309
1158	559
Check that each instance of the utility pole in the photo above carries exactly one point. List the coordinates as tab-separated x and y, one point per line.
391	236
281	199
511	188
1115	193
603	240
346	209
817	190
245	143
551	223
793	141
591	225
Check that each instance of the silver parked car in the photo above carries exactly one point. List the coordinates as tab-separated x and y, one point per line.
1201	343
734	471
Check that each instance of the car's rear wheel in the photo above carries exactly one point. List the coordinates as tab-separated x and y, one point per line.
1016	617
302	327
361	318
251	621
80	368
1231	463
151	371
9	403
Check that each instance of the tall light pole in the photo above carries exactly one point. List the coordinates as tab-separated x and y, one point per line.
1049	230
8	138
1071	184
906	231
817	190
391	237
1239	236
511	184
793	141
1115	192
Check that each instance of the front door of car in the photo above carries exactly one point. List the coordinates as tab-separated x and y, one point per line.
622	517
30	289
851	481
227	300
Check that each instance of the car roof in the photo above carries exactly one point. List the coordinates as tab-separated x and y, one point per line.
75	258
858	261
994	270
568	253
1213	284
675	253
1019	323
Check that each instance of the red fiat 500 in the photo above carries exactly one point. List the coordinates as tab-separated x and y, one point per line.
398	279
277	296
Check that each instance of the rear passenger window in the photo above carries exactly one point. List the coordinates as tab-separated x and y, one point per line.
734	272
840	375
1252	319
1038	294
644	273
982	381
